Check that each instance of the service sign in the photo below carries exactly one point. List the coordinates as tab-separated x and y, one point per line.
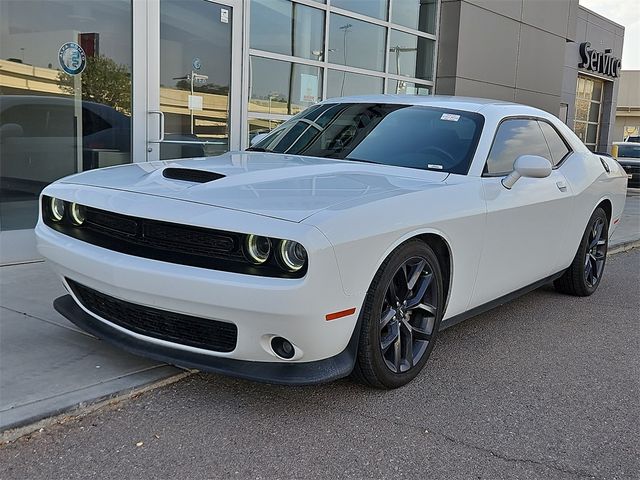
599	62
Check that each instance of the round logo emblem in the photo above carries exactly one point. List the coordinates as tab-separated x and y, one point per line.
197	64
72	58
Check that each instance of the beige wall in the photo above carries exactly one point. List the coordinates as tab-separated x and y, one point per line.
510	50
628	111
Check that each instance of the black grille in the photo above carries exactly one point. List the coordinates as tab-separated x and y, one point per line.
166	241
172	327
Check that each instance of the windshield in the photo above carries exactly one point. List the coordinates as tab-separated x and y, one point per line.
629	151
402	135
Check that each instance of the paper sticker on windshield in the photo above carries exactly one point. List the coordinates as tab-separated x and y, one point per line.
450	117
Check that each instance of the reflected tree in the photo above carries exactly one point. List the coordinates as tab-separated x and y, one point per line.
103	81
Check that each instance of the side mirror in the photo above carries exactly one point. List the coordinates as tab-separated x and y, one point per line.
257	138
532	166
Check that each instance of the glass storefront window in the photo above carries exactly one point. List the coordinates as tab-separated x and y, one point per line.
587	116
356	43
195	78
400	87
65	102
416	14
283	88
371	8
342	84
281	26
410	55
261	125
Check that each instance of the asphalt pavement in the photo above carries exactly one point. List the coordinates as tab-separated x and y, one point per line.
544	387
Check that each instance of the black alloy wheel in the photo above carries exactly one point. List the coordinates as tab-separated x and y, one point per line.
596	254
408	315
400	317
585	272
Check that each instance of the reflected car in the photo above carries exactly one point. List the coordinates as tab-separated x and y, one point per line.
340	244
40	135
628	156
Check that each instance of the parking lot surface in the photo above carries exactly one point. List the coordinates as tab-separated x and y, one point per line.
545	386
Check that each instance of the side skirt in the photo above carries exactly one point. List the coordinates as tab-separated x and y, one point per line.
461	317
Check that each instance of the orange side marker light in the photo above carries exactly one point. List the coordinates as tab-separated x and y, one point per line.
343	313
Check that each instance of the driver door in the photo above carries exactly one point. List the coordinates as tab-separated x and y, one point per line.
525	223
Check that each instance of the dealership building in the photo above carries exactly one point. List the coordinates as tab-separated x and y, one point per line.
93	84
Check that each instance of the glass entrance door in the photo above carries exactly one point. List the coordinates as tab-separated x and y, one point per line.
191	112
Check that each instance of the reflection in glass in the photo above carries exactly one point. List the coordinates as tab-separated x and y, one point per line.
515	138
261	125
342	84
410	55
582	109
371	8
417	14
284	88
594	112
356	43
388	134
592	133
400	87
580	129
288	28
53	124
195	78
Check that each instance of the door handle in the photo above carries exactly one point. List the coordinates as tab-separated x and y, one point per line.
561	186
161	136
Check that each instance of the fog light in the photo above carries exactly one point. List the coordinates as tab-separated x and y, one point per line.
258	249
56	209
282	347
292	255
78	214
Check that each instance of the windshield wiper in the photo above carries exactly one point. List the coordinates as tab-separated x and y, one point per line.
361	160
256	149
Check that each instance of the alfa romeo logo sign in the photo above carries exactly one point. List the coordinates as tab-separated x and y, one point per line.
72	58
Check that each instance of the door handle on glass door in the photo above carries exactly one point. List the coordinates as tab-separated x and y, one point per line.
161	126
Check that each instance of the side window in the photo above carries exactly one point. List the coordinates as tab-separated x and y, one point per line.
514	138
557	146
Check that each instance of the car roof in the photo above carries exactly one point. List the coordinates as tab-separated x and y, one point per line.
627	143
470	104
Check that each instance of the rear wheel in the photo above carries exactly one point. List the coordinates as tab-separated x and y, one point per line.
585	272
401	317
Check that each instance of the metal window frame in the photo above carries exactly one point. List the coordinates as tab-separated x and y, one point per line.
324	65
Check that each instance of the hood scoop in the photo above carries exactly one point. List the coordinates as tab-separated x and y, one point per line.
191	175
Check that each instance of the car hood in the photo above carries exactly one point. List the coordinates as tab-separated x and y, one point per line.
276	185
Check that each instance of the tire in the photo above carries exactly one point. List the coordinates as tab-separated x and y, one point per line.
585	272
413	328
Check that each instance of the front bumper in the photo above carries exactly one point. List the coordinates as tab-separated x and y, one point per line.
301	373
260	307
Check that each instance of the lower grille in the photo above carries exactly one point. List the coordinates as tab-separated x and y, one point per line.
152	322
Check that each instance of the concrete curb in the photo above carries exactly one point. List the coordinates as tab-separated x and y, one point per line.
85	408
624	247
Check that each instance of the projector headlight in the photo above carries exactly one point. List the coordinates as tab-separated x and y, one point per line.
56	209
78	214
292	255
257	249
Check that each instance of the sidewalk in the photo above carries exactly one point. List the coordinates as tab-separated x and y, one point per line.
48	366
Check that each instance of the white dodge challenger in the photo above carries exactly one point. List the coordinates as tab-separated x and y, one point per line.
340	243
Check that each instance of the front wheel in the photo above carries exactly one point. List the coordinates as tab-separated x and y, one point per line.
401	317
585	272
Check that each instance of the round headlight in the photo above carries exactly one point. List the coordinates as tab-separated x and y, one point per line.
258	249
78	214
56	209
292	255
